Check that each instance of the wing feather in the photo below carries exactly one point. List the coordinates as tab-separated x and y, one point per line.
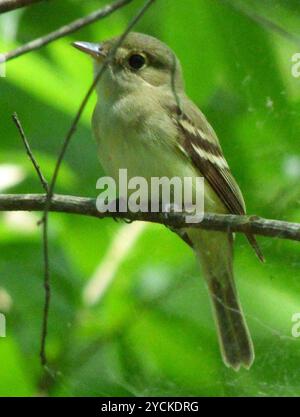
206	154
198	140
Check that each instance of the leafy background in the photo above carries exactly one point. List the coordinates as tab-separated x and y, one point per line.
149	329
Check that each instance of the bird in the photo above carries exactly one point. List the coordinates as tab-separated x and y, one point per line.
145	122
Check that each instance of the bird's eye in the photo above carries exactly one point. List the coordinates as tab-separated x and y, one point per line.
137	61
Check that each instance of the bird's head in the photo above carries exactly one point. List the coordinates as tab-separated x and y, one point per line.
139	61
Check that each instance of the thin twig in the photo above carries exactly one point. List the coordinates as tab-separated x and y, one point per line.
60	158
265	22
65	30
47	289
74	124
87	207
29	152
8	5
45	236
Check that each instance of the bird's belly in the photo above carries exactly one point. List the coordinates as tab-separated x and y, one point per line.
146	158
141	159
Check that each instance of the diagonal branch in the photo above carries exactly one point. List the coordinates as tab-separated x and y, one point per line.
87	207
65	30
29	152
265	22
8	5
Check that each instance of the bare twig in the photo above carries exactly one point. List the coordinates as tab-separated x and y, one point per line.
8	5
65	30
87	207
29	152
265	22
74	124
45	237
61	155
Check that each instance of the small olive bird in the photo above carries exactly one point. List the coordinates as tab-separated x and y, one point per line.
144	122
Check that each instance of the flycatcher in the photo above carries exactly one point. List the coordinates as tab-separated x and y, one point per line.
144	122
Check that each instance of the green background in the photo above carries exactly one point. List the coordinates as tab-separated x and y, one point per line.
151	331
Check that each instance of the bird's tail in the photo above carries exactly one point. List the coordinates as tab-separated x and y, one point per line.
235	341
215	252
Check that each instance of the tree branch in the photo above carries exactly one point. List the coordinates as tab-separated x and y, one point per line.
65	30
8	5
87	207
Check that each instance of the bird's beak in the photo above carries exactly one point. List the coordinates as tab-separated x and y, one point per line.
94	49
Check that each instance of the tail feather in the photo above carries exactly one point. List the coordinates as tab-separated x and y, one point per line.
215	252
234	337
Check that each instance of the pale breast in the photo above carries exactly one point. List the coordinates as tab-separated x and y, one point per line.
143	141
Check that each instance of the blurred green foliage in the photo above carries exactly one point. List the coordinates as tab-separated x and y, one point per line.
151	332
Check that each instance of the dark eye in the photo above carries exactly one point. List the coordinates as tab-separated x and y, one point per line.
137	61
